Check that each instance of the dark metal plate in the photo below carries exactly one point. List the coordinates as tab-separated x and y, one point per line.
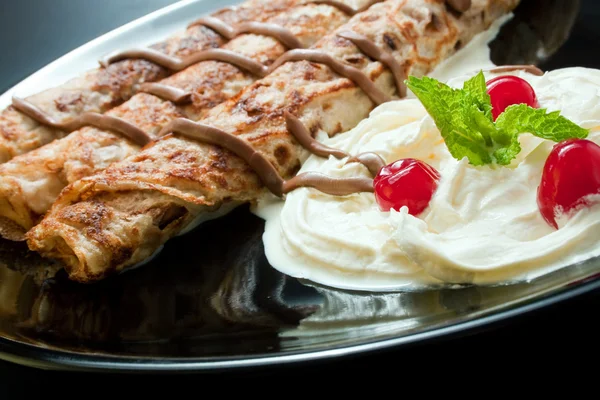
211	300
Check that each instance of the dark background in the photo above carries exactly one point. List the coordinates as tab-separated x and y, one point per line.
35	32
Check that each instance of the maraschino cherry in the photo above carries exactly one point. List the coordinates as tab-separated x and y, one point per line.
571	173
407	182
507	90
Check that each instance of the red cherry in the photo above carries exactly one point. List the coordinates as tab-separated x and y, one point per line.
507	90
571	172
406	182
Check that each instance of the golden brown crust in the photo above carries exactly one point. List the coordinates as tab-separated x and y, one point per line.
109	221
104	88
31	182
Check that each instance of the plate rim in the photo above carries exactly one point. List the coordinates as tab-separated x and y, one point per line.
30	355
53	359
91	44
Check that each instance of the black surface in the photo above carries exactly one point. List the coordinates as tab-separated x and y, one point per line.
36	32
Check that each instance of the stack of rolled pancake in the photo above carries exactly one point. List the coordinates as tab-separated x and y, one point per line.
105	220
30	183
104	88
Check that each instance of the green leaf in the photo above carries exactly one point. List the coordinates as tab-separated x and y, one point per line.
444	104
521	118
504	155
476	121
462	142
477	88
464	118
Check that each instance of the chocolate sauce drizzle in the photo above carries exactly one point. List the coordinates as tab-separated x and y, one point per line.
373	161
329	185
303	136
211	135
217	25
179	96
532	69
166	92
375	52
263	167
354	74
278	32
258	162
283	35
100	121
178	64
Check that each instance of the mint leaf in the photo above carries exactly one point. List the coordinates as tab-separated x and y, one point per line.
477	88
463	142
475	120
464	118
444	105
504	155
521	118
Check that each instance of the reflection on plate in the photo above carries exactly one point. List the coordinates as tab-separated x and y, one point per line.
226	292
211	299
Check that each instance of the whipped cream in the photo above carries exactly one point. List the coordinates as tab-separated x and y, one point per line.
483	225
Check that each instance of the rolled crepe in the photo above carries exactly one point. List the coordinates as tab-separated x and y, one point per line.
115	219
31	182
101	89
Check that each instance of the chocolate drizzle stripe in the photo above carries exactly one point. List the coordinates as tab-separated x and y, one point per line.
329	185
149	54
230	57
372	161
222	28
166	92
33	112
261	165
375	52
532	69
178	64
345	8
280	33
100	121
354	74
283	35
303	136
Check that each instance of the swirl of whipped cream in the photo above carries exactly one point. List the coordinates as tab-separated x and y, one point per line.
482	226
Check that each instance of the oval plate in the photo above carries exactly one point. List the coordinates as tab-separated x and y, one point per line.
225	307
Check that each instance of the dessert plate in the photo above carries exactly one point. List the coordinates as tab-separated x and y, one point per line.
210	300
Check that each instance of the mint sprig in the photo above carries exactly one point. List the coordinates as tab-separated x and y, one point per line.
464	118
